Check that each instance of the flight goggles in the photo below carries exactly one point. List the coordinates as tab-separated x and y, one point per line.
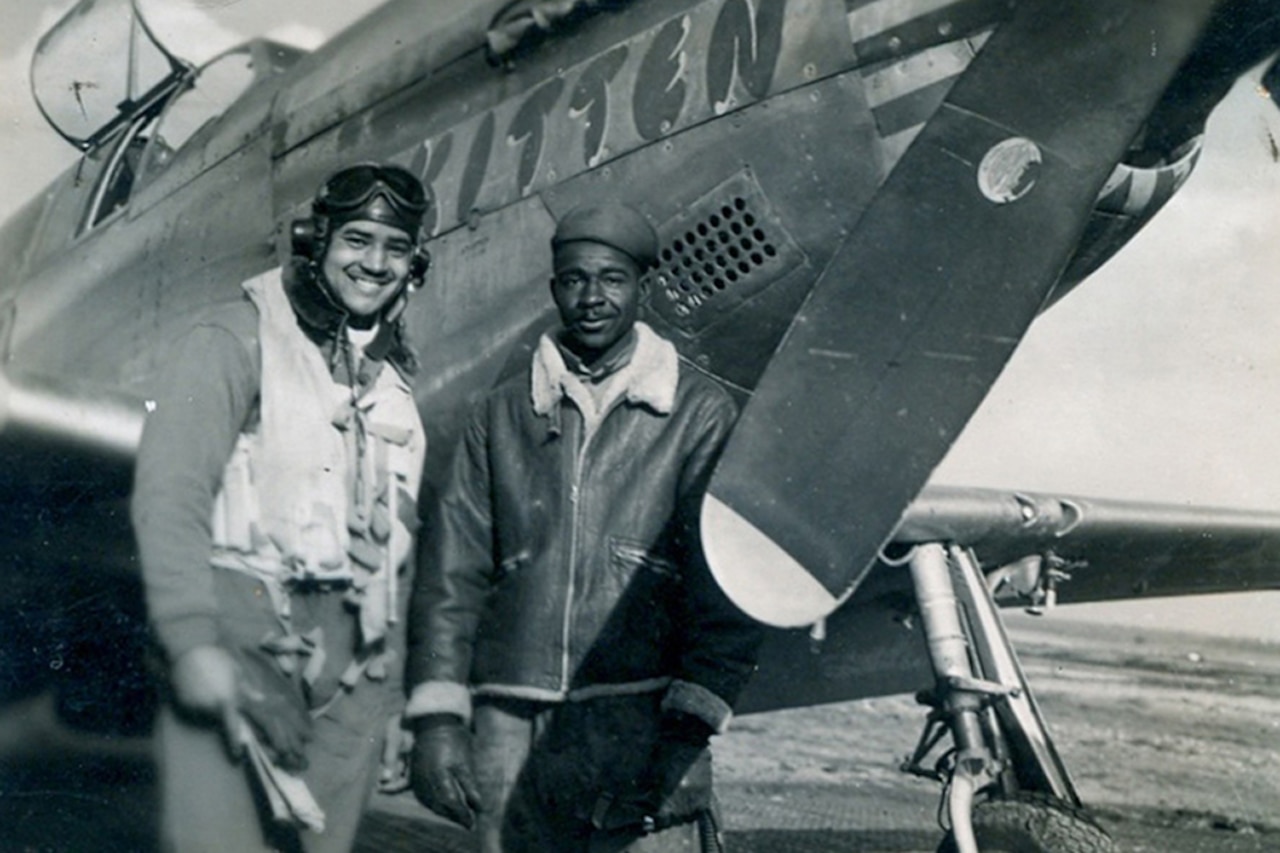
387	194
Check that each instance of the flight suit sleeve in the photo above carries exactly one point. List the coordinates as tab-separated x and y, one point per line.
203	400
454	576
397	640
720	642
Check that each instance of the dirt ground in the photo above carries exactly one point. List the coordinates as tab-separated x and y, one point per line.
1173	741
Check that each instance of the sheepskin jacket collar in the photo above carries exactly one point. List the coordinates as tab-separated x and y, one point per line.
650	377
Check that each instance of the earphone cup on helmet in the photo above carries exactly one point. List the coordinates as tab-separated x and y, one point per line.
418	267
307	236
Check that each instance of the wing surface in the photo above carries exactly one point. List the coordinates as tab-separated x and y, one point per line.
71	607
1110	549
1032	548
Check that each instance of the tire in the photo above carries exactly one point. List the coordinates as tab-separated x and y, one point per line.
1033	823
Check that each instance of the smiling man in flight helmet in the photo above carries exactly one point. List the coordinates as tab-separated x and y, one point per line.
275	509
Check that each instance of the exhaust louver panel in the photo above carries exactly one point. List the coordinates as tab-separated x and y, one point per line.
723	250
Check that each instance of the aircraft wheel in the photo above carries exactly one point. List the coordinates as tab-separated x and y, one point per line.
1033	823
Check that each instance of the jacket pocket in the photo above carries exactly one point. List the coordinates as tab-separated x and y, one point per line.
628	556
510	567
641	598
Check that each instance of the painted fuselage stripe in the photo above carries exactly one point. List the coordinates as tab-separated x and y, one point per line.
917	71
944	25
912	110
869	18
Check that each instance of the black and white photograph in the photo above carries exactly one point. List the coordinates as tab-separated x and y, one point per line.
645	426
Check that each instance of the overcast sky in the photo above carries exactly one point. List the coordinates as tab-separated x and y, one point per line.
1159	379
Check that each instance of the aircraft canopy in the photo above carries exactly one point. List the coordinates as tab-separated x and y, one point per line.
98	68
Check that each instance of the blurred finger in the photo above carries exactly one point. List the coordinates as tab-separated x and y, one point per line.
232	727
393	780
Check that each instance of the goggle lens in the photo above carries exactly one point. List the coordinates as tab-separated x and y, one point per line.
352	188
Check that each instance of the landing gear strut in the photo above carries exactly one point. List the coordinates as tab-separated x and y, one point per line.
1006	789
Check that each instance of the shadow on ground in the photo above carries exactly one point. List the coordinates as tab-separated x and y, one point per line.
384	832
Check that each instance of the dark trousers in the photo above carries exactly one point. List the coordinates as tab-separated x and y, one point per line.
541	766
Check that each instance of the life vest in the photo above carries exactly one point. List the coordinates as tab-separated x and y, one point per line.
322	489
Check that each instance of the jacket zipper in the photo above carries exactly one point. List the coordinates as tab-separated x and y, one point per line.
575	492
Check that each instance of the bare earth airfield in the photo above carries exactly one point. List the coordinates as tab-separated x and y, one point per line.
1173	740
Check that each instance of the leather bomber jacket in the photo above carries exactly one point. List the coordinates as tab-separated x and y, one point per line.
556	567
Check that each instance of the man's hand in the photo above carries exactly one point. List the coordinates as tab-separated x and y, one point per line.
229	689
273	704
397	750
441	769
206	683
675	787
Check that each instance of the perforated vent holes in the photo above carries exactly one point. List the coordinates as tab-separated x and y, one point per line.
719	253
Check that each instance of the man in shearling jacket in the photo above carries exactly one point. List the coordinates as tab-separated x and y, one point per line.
563	611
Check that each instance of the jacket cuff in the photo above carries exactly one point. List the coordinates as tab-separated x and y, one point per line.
689	698
439	697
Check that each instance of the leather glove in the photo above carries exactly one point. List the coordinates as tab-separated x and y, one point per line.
675	786
273	704
441	768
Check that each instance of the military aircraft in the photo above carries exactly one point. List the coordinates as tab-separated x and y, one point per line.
862	204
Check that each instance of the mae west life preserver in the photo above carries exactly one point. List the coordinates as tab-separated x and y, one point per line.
323	488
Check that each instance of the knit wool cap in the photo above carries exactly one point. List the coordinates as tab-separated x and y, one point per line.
616	225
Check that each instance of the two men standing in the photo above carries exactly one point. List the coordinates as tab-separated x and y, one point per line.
563	610
571	655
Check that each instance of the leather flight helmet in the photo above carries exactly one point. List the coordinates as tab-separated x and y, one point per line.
375	192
